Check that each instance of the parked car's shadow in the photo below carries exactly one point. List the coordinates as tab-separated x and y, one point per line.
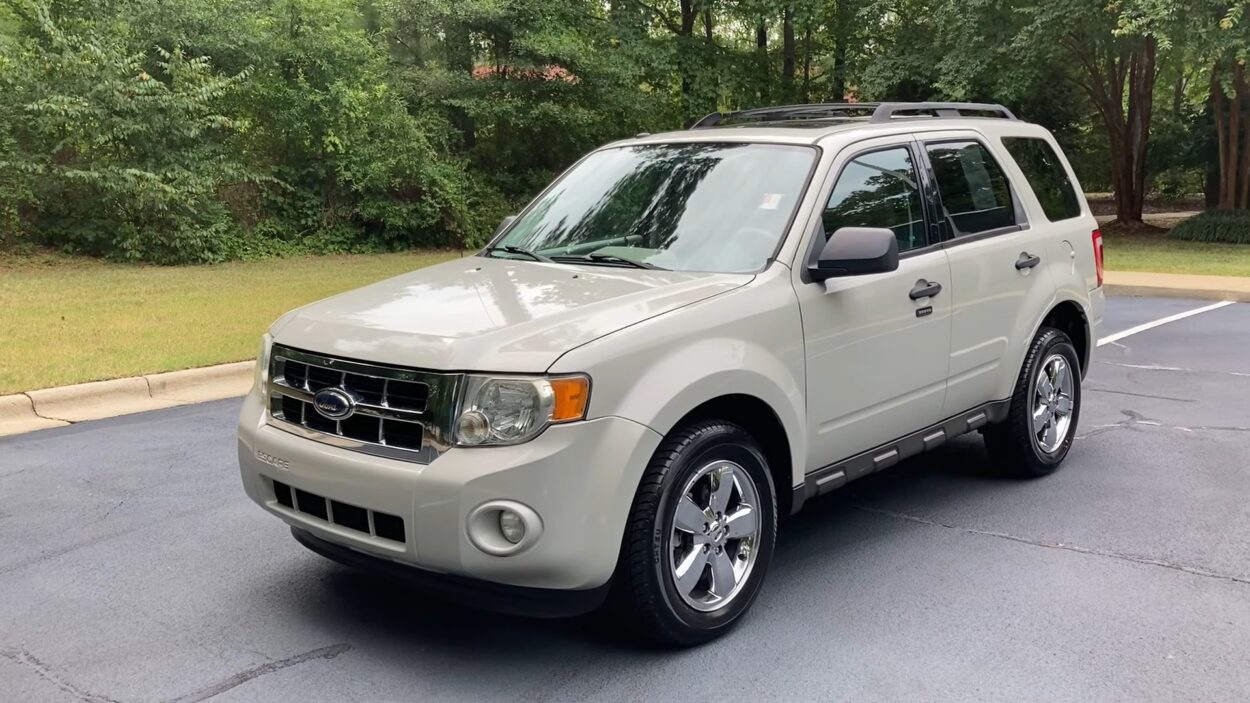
813	546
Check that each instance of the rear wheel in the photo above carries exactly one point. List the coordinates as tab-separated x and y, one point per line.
1041	424
699	538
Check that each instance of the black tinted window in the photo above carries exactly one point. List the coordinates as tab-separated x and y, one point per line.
974	189
879	189
1046	175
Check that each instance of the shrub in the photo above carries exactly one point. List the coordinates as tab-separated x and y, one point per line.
1229	226
295	141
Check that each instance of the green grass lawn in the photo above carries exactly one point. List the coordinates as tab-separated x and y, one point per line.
1158	254
67	320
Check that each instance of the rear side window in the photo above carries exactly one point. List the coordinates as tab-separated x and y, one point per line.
974	190
879	189
1046	175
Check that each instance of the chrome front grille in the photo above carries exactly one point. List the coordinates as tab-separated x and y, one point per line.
399	413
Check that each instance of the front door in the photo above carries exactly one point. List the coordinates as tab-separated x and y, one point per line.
877	353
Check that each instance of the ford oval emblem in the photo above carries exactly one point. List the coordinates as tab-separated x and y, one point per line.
334	403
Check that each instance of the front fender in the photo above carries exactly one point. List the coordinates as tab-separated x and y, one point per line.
746	342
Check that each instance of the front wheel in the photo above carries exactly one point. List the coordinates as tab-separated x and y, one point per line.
1041	424
700	536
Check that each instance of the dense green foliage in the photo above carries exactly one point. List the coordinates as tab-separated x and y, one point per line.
1227	226
206	130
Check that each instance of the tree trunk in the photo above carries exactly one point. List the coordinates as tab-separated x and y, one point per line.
1232	133
1141	84
764	75
787	53
842	18
1242	175
460	58
807	62
686	63
1110	70
709	72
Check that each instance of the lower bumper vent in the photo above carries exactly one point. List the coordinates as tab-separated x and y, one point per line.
352	517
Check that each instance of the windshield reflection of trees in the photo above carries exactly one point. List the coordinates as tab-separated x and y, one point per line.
646	204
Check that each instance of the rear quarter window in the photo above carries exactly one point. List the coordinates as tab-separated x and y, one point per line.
1046	176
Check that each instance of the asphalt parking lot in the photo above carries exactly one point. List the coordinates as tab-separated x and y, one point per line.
133	568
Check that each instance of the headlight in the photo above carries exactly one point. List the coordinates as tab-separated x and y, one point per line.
511	410
262	363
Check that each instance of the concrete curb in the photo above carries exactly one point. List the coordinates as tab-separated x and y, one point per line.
17	415
1170	285
55	407
1166	292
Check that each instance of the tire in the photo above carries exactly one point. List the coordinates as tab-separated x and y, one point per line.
688	469
1016	446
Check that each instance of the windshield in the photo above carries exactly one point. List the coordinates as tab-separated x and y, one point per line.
685	207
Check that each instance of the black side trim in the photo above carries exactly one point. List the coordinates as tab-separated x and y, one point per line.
486	595
826	479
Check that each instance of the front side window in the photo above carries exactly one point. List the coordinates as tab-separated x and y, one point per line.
879	189
974	190
1046	175
720	207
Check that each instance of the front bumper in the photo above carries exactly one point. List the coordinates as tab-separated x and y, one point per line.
579	478
487	595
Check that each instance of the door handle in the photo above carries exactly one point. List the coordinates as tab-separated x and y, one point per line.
925	289
1027	261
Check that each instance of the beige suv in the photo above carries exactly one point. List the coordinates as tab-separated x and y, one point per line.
683	338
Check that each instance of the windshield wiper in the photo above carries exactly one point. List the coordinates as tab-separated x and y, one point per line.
521	251
610	259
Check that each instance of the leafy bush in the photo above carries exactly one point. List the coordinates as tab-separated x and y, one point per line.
295	142
1229	226
113	160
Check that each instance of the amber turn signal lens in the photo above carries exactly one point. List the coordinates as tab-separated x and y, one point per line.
572	394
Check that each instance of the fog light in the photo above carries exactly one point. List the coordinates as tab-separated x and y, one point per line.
503	528
512	526
473	428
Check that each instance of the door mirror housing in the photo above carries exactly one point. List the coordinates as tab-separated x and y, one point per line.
856	251
503	225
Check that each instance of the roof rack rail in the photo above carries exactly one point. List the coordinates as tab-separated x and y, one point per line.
786	112
887	111
880	112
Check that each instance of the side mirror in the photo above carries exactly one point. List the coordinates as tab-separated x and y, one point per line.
503	225
856	251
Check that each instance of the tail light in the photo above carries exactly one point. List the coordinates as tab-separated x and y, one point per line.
1097	237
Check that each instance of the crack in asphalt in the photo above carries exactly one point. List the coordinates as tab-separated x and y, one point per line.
21	657
1122	556
243	677
1177	369
1136	419
1141	395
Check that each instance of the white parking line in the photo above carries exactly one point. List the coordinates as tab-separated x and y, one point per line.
1162	321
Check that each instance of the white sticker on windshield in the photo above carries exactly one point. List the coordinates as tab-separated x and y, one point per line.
771	201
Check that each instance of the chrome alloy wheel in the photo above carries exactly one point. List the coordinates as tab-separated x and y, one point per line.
1052	403
716	528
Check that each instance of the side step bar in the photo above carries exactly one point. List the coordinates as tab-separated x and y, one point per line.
824	480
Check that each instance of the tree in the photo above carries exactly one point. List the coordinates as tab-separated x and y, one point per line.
1227	47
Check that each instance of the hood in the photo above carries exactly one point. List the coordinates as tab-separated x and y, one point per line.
486	314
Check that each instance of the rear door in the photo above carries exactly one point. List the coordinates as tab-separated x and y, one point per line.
999	286
876	354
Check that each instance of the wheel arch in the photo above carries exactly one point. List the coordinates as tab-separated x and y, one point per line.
1069	317
760	421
